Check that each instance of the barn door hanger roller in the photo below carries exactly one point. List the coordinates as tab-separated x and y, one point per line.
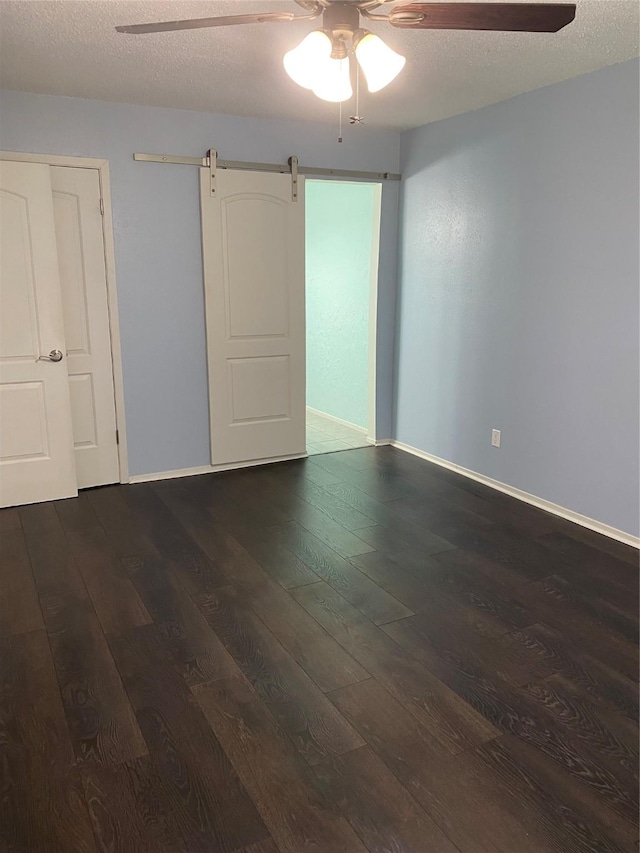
213	163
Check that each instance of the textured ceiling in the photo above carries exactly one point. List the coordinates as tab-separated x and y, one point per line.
66	47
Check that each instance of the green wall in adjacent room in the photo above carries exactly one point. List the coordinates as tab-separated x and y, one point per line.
339	235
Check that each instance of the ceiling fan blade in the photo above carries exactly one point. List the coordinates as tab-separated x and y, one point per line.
518	17
200	23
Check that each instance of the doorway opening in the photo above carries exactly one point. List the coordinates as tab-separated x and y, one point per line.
341	271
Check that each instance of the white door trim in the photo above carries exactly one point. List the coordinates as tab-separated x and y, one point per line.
102	167
372	421
371	429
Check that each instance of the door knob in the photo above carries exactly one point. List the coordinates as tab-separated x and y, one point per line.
54	355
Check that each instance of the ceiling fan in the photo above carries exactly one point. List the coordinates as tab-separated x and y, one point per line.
321	61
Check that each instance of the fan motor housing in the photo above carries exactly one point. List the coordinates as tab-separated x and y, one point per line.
343	19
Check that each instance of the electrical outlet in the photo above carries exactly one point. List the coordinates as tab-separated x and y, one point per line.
495	438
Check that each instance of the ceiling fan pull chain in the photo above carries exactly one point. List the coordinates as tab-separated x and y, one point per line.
340	121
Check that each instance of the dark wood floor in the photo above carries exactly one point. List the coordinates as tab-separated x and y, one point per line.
360	651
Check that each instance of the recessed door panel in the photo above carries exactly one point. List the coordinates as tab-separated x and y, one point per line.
259	388
73	272
18	321
83	410
23	422
256	282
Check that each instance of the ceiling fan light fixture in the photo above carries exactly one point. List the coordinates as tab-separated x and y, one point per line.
306	64
334	82
380	65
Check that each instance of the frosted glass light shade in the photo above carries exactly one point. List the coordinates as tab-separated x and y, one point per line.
334	81
305	64
380	65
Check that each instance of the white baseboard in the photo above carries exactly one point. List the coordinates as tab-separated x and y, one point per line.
361	430
209	469
541	503
379	442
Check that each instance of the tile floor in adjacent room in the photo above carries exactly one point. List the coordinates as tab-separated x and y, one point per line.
324	435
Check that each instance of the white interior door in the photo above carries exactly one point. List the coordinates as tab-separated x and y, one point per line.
253	248
36	447
81	257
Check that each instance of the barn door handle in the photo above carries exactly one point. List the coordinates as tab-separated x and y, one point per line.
54	355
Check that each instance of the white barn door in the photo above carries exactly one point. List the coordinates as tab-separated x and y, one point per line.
36	446
253	250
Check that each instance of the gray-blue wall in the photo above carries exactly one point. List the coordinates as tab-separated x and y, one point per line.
158	248
518	302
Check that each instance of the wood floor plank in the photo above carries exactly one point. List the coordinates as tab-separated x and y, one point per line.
414	586
451	720
554	603
101	722
455	491
55	569
333	534
299	816
569	661
19	605
166	538
350	495
329	503
495	588
613	607
299	706
455	524
476	815
261	542
42	809
358	457
499	499
209	685
131	809
610	735
277	560
194	648
530	558
127	536
76	513
592	561
259	504
378	484
112	593
512	711
568	810
312	471
260	847
10	519
602	543
340	574
210	805
322	658
381	811
439	636
390	540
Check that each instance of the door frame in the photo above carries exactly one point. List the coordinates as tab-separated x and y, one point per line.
372	374
374	266
102	167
